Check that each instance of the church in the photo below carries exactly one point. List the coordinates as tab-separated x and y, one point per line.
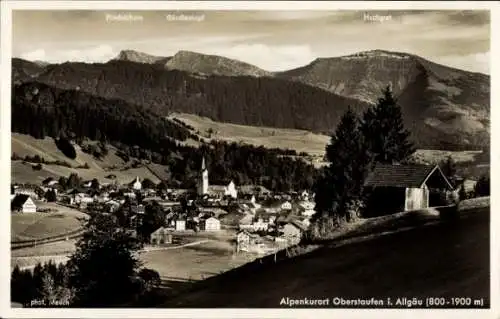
205	189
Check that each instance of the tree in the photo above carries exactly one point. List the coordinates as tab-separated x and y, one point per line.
103	267
384	132
151	278
147	183
74	181
342	181
462	194
449	168
154	218
94	184
51	195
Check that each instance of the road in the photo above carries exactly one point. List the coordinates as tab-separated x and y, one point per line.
442	260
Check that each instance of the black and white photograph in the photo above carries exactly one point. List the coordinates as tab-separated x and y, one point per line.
225	158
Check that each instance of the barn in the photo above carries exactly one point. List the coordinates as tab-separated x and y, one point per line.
23	203
161	236
396	188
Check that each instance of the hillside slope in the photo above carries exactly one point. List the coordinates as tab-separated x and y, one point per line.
23	70
206	64
444	108
442	103
448	258
246	100
23	172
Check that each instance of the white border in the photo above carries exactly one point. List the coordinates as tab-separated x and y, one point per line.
5	145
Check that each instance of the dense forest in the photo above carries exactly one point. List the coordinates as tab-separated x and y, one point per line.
243	100
40	110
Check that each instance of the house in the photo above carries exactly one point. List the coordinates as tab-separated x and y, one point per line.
87	184
112	206
245	240
180	225
138	209
161	236
306	208
396	188
260	224
304	195
137	184
230	190
286	205
211	224
293	231
23	204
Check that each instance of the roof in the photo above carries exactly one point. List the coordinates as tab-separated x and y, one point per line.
18	201
161	231
216	189
384	175
298	224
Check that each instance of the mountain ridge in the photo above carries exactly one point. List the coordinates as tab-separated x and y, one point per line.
442	106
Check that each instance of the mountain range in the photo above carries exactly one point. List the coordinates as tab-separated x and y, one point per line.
444	107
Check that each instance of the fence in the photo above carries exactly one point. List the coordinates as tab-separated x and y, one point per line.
52	239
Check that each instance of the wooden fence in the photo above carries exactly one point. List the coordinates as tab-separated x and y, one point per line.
52	239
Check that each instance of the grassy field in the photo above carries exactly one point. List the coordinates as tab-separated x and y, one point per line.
299	140
436	156
446	259
175	264
57	248
25	145
41	225
195	262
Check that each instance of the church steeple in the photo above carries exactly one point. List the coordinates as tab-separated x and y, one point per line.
203	167
203	179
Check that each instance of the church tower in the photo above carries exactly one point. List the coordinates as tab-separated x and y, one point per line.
203	179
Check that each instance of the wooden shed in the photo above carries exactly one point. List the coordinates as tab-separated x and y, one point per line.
397	188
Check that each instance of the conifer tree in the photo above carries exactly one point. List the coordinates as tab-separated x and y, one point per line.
384	132
449	168
348	162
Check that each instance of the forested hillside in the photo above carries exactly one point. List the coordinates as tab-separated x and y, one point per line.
40	110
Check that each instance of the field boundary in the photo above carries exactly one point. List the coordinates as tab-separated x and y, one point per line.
52	239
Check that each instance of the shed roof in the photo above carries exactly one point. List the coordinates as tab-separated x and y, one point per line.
18	201
384	175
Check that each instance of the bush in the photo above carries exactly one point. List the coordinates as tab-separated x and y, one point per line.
37	167
65	146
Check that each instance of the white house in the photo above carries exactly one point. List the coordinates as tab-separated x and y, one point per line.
305	195
307	208
137	184
260	224
112	205
180	225
52	183
231	190
211	224
286	205
23	204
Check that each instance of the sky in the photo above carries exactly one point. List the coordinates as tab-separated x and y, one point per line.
271	40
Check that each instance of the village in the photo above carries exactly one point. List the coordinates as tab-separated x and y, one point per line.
258	220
